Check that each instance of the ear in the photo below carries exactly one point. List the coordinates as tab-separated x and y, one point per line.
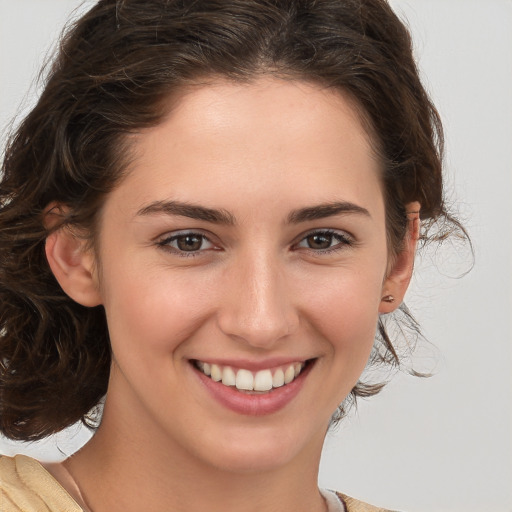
400	273
72	264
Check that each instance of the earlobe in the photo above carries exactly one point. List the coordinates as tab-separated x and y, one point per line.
399	276
73	266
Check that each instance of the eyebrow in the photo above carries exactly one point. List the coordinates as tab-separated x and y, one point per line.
188	210
220	216
325	210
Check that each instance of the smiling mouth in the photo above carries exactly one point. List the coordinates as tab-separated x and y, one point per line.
262	381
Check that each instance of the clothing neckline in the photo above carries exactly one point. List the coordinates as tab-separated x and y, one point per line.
333	501
62	476
59	472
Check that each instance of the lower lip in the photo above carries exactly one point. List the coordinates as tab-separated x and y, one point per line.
258	404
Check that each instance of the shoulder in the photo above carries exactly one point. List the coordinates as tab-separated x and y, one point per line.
25	486
353	505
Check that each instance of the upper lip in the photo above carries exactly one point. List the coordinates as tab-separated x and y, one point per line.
253	365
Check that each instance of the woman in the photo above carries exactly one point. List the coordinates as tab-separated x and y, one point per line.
203	219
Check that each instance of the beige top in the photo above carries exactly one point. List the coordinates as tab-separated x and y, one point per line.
26	486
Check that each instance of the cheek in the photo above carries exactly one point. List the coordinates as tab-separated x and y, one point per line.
150	314
348	297
341	316
349	327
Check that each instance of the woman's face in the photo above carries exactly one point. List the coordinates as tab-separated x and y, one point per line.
247	242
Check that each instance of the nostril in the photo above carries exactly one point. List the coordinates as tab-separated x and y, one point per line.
254	328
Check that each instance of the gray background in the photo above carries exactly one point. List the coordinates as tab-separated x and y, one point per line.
444	443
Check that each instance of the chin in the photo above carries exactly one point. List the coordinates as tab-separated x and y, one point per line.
254	460
265	450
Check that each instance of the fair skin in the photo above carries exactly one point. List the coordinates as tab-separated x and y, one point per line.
265	278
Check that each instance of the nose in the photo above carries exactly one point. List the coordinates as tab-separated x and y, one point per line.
257	306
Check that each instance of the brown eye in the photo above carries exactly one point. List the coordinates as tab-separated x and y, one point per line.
325	241
319	241
186	243
189	242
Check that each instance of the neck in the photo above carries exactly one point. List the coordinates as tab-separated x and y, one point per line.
141	470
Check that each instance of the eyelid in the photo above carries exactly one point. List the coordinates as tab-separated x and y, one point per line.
163	242
345	240
183	232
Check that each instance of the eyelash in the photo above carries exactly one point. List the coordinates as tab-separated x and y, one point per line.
165	244
343	239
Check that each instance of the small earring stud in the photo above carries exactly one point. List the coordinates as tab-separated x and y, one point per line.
388	298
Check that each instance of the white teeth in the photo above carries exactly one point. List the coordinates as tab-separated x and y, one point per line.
216	373
263	380
278	378
228	377
289	374
244	380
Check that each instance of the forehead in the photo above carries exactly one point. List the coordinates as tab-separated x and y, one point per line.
275	106
270	137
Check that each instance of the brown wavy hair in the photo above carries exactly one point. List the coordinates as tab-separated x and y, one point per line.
114	70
